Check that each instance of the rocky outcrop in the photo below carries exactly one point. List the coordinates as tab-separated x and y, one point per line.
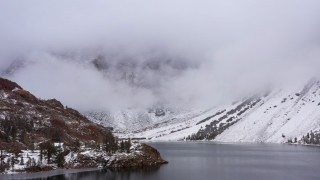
143	156
8	85
139	156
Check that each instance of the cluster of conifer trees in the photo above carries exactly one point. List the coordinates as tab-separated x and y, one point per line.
56	155
310	138
113	144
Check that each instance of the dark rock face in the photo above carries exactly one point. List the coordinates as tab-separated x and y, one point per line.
7	85
55	103
147	157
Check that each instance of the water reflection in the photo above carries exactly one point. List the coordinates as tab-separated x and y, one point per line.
112	174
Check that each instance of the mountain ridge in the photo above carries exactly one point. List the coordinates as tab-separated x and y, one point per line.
276	117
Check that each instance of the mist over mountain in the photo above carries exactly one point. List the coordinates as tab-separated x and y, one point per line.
105	55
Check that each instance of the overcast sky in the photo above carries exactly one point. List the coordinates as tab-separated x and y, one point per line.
227	49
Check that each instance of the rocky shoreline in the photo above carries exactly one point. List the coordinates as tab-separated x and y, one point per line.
146	156
140	156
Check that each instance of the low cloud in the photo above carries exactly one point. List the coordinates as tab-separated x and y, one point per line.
96	55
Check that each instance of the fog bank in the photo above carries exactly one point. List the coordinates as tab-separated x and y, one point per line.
137	54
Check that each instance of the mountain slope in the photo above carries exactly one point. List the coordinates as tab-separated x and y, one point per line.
278	116
26	120
288	114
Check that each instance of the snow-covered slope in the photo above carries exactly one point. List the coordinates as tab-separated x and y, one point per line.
285	115
272	117
137	119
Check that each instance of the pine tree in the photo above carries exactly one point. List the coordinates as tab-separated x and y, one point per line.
39	163
41	154
21	161
312	139
116	144
12	163
317	141
50	151
23	136
122	146
8	162
128	146
110	143
29	162
60	160
1	161
13	132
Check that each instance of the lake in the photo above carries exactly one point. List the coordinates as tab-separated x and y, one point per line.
203	161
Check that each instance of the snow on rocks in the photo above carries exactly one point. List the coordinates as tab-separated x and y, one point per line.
140	155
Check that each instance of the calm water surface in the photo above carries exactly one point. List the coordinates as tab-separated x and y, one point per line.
203	161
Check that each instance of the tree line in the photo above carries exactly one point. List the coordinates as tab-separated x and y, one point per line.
52	154
309	138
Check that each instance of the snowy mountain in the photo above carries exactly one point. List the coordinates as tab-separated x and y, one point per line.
137	119
41	135
277	116
26	120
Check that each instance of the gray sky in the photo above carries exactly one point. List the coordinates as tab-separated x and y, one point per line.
224	49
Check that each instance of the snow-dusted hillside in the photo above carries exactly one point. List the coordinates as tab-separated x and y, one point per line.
284	115
274	117
137	119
